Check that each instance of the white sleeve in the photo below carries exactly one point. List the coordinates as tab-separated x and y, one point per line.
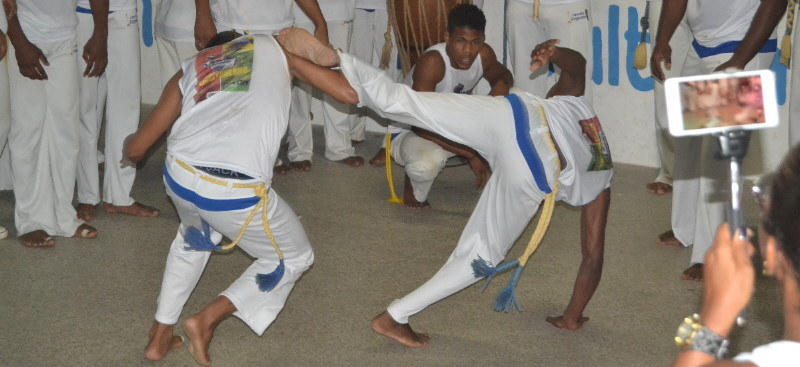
782	353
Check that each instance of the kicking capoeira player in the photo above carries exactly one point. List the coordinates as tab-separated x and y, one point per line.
522	173
220	184
454	66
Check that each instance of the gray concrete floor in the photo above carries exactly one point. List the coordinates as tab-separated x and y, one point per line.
91	302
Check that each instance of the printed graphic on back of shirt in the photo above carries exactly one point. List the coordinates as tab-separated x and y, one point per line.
598	145
225	68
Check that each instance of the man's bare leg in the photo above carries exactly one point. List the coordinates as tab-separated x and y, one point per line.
162	340
135	209
694	272
200	327
408	197
379	159
86	212
301	43
385	325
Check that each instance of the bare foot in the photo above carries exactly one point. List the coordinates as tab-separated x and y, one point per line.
162	340
668	239
86	212
303	166
281	169
85	231
199	339
561	322
38	238
136	209
385	325
354	161
658	188
301	43
379	159
409	200
694	272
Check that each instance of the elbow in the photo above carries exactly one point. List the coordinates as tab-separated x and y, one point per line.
349	96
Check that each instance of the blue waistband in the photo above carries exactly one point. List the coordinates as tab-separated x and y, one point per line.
88	11
212	205
522	127
730	47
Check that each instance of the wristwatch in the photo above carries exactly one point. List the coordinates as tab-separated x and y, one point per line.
692	335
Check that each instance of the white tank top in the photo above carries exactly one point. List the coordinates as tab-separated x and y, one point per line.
235	107
256	16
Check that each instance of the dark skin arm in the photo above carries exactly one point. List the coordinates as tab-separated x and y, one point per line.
572	79
312	10
3	45
10	7
672	13
160	120
767	16
204	28
30	58
499	77
95	52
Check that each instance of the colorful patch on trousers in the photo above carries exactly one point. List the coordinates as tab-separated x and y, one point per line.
598	145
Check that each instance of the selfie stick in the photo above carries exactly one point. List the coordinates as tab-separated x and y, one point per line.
733	146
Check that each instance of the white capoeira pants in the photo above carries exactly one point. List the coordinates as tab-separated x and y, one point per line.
569	23
183	269
5	127
701	189
171	54
680	43
117	93
510	198
422	159
366	43
335	115
44	141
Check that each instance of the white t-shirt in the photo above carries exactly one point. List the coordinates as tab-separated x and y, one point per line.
235	107
332	10
256	16
113	5
175	20
371	4
782	353
453	81
46	21
714	22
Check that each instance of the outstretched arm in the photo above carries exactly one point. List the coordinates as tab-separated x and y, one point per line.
593	233
326	80
572	80
160	120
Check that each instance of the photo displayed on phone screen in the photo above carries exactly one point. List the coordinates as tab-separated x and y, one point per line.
726	102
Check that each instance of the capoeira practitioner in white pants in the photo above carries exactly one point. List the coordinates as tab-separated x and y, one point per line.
719	43
116	94
44	117
5	110
335	116
220	185
454	66
174	32
522	173
566	20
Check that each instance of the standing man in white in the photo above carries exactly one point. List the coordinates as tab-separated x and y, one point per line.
5	107
115	95
44	115
336	116
738	34
174	32
568	21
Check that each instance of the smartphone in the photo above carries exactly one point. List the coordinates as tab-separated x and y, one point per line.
715	103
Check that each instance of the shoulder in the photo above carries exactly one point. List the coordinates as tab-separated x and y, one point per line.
429	69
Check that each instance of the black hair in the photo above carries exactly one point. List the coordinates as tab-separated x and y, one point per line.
466	15
222	38
783	212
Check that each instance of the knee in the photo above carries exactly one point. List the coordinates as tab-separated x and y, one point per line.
424	169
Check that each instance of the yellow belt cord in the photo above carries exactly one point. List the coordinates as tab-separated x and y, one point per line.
393	198
786	42
260	191
536	10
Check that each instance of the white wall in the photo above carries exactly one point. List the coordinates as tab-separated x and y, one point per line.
623	96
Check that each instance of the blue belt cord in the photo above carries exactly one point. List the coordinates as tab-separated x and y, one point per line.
212	205
87	11
522	127
730	47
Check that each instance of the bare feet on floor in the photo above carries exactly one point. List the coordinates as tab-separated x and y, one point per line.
199	335
38	238
354	161
281	169
162	340
409	200
668	239
379	159
85	231
385	325
301	43
135	209
694	272
86	212
658	188
562	322
302	166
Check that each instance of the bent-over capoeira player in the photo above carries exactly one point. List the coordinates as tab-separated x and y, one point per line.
220	185
453	66
522	172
